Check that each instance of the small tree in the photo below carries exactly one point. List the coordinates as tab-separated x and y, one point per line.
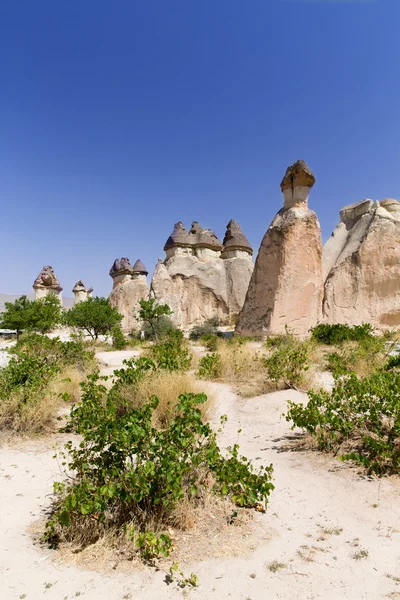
96	316
151	313
27	315
47	313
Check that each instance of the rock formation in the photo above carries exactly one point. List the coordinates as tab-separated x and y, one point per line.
80	292
46	284
202	278
286	286
129	286
361	265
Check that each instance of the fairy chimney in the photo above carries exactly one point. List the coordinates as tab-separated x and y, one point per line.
80	292
129	286
47	284
286	286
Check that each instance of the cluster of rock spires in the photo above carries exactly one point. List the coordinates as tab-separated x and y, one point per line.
47	283
294	282
201	278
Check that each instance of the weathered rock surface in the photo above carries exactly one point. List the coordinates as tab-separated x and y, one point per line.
202	278
361	265
46	283
81	293
129	286
286	287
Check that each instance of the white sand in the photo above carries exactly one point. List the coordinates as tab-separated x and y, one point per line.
312	492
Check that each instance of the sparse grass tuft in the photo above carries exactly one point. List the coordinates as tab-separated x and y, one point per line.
275	566
360	554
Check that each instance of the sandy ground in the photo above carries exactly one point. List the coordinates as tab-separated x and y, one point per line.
335	532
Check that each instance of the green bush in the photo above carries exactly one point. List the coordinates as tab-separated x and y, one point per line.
210	366
118	340
287	364
162	327
207	328
210	341
332	335
360	419
362	357
172	354
130	476
23	382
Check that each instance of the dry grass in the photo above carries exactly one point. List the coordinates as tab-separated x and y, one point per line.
38	414
202	529
167	386
243	369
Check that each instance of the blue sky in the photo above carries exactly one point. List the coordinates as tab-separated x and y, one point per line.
118	118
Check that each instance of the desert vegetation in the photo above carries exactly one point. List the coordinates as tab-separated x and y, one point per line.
41	374
133	470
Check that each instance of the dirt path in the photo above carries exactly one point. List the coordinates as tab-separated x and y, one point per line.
336	533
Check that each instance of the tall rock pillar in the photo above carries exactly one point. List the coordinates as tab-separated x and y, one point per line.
286	286
47	284
129	286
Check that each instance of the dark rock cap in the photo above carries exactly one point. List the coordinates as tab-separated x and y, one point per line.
297	174
80	287
121	266
139	267
179	237
47	279
203	238
235	239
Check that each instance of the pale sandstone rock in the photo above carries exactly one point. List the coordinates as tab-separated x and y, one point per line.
46	283
129	286
361	265
80	292
286	286
200	277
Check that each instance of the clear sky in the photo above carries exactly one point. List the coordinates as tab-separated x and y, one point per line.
120	117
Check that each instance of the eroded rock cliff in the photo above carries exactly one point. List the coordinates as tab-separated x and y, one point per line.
361	265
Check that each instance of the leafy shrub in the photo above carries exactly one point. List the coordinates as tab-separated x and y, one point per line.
360	418
209	327
118	339
95	316
161	329
335	334
210	341
210	366
274	341
130	476
287	364
25	380
361	357
172	354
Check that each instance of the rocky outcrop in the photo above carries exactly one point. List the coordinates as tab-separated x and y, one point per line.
80	292
202	278
129	286
361	265
46	283
286	286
